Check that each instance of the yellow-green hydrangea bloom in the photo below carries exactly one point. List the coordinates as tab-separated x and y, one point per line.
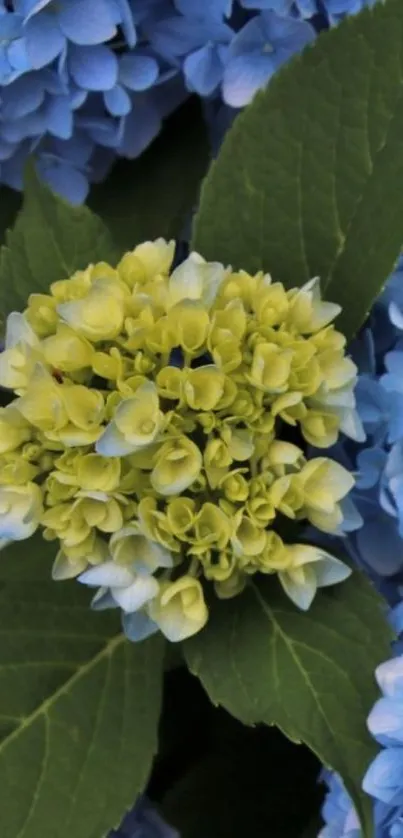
158	433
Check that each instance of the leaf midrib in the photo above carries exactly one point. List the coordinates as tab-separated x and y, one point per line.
45	705
289	645
270	613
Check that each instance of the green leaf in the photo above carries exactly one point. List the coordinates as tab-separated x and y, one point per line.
79	705
154	195
50	240
312	674
308	181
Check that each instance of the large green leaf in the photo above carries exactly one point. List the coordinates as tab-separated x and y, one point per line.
308	181
312	674
154	195
50	240
79	705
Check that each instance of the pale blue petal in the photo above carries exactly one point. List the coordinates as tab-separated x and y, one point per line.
138	626
384	778
135	596
112	443
106	575
352	519
103	600
330	571
396	315
301	595
244	75
390	676
385	722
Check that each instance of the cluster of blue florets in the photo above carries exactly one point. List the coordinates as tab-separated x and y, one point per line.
85	81
376	544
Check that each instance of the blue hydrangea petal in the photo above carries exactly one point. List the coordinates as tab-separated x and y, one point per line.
244	76
77	150
64	179
93	67
352	519
370	464
125	18
44	40
389	676
176	36
385	721
25	96
380	545
384	778
77	98
138	72
372	403
396	618
137	626
143	821
29	8
288	34
18	58
103	131
394	360
117	101
87	22
30	126
59	117
260	47
203	69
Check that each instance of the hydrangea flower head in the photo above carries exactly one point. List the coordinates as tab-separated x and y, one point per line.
84	81
158	428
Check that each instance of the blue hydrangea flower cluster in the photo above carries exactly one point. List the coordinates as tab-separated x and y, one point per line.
84	81
376	544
